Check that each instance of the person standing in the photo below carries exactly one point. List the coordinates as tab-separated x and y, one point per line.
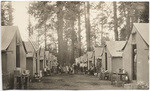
78	67
92	70
57	69
75	68
135	64
48	71
67	69
45	71
84	68
73	65
71	70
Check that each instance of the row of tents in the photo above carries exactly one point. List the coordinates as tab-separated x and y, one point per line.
26	55
131	55
37	60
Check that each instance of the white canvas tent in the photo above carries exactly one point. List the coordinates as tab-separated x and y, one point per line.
139	40
112	56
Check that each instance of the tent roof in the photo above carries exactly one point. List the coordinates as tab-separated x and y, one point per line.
29	48
24	47
7	34
143	29
99	50
115	47
34	43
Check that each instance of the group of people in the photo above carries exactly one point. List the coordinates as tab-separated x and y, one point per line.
83	67
69	69
72	69
79	68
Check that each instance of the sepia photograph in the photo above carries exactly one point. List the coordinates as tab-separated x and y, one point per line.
74	45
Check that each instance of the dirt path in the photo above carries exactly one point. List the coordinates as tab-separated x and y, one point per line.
72	82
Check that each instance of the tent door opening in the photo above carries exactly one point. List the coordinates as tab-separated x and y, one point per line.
17	56
94	62
36	64
134	62
105	61
4	62
41	64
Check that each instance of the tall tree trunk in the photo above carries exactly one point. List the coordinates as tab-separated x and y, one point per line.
136	16
132	21
29	25
45	45
102	27
38	38
128	22
79	33
2	14
88	27
10	11
102	33
65	51
73	41
115	21
60	31
45	37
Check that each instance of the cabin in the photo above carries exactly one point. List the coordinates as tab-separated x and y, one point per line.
112	56
32	58
37	55
136	53
98	51
13	53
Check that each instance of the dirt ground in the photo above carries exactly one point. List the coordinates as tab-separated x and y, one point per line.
72	82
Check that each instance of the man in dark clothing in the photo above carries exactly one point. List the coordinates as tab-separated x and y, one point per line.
75	69
78	67
57	69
